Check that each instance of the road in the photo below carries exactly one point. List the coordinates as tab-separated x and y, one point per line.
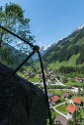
60	113
48	83
59	104
54	108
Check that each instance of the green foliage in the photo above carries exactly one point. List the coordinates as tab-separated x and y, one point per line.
70	83
34	79
70	69
67	69
64	80
80	59
12	18
77	119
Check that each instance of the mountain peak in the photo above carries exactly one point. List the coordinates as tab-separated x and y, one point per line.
80	27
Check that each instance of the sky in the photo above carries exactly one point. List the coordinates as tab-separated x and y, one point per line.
51	20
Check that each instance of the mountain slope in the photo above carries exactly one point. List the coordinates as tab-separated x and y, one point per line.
67	47
11	56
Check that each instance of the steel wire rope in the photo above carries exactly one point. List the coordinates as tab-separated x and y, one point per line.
45	87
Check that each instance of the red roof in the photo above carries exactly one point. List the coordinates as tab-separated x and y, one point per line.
55	98
77	100
71	108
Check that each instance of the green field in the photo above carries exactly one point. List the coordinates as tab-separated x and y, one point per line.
57	92
62	109
34	79
69	83
70	62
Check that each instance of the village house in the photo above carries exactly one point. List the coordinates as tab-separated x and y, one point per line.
77	102
55	99
26	74
61	120
77	79
52	78
70	110
52	72
66	95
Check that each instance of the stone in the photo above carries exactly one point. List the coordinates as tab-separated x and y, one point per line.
21	103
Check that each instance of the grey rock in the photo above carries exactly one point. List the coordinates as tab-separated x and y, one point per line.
21	103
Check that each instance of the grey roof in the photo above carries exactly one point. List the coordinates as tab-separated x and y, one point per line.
66	95
61	119
50	94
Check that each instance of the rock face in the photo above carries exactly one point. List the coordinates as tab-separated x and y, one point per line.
21	103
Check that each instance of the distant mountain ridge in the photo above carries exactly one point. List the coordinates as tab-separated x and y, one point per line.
65	48
11	56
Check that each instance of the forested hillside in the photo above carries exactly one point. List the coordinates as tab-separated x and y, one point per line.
67	47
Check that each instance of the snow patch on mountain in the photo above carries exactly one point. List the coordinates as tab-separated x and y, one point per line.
80	27
46	47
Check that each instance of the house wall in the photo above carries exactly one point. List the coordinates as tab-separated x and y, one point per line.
69	115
